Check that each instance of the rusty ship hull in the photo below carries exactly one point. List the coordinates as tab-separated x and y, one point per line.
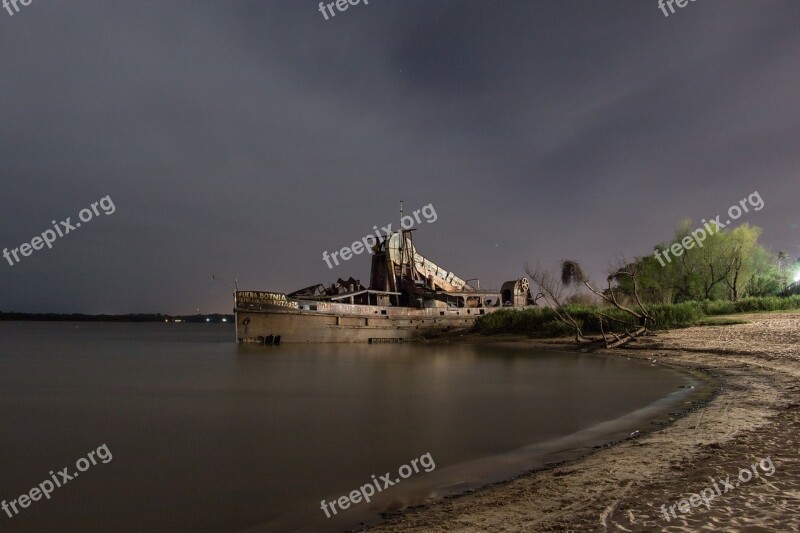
349	323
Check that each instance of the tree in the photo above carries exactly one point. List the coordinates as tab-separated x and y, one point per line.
715	263
619	332
572	274
765	279
740	257
781	259
552	290
708	265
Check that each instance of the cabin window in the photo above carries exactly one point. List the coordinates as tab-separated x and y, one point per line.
383	311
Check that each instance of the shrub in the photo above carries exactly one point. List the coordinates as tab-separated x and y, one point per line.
528	321
717	307
680	315
542	321
556	328
767	303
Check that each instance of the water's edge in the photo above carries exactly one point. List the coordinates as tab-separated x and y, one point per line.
497	470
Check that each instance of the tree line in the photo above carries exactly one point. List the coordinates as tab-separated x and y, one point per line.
728	264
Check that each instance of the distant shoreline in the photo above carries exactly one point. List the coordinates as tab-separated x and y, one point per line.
130	317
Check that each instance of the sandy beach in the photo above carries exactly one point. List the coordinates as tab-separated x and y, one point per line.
754	416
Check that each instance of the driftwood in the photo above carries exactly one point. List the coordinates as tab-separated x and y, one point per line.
551	290
629	336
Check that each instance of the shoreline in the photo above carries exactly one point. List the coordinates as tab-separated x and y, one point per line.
754	414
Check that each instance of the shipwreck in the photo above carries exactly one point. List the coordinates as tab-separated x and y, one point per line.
408	297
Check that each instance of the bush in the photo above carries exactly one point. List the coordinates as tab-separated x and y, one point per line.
542	321
767	303
528	321
556	328
680	315
717	307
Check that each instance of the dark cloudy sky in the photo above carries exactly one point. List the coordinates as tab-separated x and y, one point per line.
247	137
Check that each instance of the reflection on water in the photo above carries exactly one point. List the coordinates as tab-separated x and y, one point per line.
210	436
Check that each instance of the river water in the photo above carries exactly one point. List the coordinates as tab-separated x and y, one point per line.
205	435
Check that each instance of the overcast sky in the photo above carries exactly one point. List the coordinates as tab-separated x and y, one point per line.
247	137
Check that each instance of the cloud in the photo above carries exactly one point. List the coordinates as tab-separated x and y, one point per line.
245	138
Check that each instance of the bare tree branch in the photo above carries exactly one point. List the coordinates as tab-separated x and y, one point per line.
551	289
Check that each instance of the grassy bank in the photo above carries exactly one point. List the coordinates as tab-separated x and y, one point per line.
542	322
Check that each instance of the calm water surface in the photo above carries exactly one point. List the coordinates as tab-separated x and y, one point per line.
210	436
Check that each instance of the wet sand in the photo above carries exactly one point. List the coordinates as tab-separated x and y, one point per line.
755	415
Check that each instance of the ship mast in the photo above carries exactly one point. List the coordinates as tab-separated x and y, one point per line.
397	287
